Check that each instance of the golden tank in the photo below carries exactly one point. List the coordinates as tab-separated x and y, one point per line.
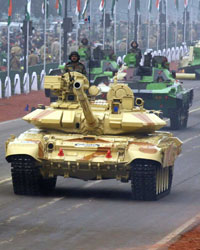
79	137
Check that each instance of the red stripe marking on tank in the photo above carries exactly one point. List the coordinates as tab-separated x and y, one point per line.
145	147
42	114
98	152
145	118
41	151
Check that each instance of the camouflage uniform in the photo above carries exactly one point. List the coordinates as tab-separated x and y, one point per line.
33	59
16	50
75	66
14	63
55	51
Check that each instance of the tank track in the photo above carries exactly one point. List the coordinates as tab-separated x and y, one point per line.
149	181
27	179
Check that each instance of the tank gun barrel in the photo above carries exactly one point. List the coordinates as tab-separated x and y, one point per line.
92	121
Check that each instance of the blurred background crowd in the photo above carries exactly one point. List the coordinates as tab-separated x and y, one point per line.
91	27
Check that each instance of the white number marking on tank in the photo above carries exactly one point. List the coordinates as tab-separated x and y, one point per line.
83	145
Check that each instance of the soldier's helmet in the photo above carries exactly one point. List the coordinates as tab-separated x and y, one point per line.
134	44
74	53
84	41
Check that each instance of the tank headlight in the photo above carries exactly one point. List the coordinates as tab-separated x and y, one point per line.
50	146
139	102
77	85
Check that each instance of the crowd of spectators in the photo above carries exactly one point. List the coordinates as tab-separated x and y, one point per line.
36	42
36	49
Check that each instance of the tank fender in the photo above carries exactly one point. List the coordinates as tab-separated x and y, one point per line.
30	148
164	155
140	150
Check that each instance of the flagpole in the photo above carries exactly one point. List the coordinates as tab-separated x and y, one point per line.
8	56
176	31
77	24
166	13
45	38
90	24
60	43
127	42
27	46
191	22
185	26
138	26
104	26
158	31
148	30
115	29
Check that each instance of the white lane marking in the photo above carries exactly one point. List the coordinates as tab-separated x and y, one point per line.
194	110
6	122
50	203
192	138
166	240
24	231
5	180
6	241
12	218
17	216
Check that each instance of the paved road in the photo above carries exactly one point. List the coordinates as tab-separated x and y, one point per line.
100	215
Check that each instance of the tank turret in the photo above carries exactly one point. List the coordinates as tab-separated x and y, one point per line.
73	112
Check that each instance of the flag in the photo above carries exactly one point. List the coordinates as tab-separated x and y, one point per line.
78	7
129	4
176	4
150	6
102	5
43	7
85	7
58	6
113	6
28	10
9	11
185	3
157	4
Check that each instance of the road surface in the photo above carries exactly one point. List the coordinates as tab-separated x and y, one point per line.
100	215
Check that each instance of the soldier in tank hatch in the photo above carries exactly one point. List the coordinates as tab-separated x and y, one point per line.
74	64
135	50
85	48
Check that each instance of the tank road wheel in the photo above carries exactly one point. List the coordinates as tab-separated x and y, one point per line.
27	179
149	181
179	120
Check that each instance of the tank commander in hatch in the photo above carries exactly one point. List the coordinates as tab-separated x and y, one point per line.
135	50
85	48
74	64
